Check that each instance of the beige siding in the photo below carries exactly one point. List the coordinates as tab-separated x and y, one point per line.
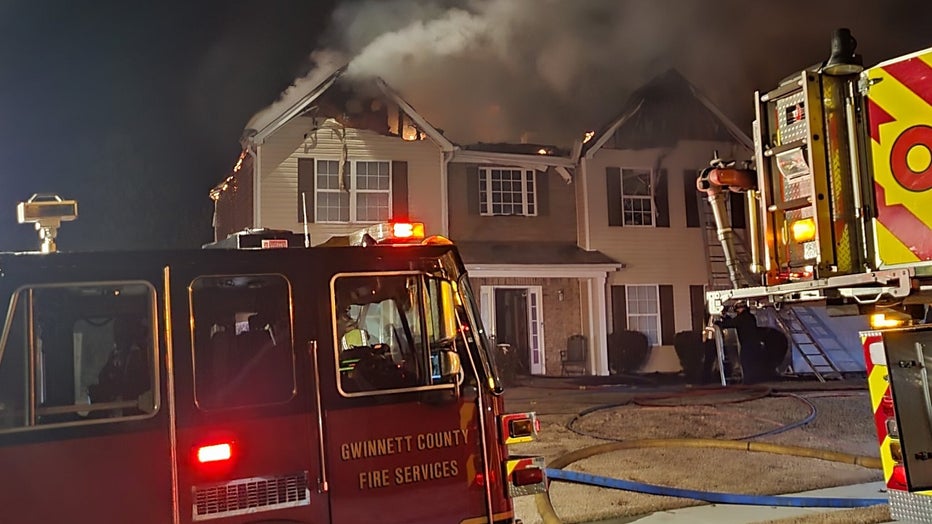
654	255
279	173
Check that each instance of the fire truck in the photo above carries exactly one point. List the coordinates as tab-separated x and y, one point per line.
254	381
840	205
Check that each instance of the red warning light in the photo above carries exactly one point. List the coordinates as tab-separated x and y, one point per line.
215	452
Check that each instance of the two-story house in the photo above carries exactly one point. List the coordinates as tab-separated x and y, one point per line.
340	154
639	204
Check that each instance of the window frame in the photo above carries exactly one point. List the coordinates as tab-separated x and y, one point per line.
423	328
352	190
192	320
651	211
528	177
36	381
629	288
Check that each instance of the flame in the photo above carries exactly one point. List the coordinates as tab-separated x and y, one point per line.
588	136
543	151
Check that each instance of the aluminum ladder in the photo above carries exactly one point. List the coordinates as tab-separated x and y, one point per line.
811	339
716	268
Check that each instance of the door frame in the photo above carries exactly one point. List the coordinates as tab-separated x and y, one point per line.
535	293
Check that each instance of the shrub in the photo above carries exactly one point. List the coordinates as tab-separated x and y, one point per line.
696	357
627	351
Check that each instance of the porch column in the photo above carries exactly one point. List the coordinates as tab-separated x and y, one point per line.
598	326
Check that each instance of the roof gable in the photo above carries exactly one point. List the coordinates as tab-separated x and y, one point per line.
664	111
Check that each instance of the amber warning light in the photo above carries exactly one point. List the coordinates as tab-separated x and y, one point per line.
215	452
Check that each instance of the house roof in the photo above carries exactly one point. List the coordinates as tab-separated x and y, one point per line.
665	110
300	96
538	253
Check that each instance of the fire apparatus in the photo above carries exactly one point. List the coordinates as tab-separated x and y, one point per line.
840	207
250	384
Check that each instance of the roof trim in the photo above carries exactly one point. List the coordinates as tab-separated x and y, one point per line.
611	130
473	156
296	109
542	270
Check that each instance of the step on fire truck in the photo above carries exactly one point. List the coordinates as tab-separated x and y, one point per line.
840	207
258	381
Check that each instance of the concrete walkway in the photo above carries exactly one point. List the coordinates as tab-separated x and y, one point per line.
735	514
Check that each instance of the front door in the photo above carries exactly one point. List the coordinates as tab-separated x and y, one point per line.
518	322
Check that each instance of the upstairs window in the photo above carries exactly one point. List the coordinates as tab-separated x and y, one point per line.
637	197
507	191
362	192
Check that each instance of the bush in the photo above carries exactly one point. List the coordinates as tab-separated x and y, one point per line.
696	357
627	351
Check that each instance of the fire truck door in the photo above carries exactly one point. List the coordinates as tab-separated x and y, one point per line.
246	438
909	359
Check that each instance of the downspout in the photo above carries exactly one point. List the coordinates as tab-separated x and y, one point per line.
447	157
582	215
256	191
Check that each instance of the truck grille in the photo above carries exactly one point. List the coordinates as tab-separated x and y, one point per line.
250	495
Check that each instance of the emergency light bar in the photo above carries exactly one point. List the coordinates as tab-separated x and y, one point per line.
388	233
47	212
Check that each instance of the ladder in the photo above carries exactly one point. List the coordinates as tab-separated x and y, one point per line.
811	339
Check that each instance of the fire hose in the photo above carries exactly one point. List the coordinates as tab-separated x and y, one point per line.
555	469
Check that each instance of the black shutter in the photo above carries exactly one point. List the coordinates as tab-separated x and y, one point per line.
662	200
305	188
692	198
399	190
613	190
667	315
542	186
697	306
472	190
738	213
619	309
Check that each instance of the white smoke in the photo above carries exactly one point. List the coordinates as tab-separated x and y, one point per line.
548	70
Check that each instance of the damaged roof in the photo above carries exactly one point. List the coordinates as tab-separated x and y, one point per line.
305	92
550	253
664	111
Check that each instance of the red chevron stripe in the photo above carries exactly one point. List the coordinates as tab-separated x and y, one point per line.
877	116
915	74
904	225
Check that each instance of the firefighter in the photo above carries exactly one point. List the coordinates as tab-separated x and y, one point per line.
749	336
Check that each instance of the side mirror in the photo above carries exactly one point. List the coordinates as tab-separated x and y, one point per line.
448	325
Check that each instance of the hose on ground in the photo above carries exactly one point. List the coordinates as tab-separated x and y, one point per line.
548	513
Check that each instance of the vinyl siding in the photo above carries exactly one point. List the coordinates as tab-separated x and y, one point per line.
296	139
654	255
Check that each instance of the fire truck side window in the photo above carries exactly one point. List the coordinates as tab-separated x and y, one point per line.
78	353
385	326
243	350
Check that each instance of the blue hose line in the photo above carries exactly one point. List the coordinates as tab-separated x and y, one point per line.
712	496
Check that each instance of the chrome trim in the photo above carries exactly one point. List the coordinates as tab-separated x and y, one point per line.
249	496
324	485
31	415
170	387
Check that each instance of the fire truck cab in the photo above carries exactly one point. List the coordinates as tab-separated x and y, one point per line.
255	381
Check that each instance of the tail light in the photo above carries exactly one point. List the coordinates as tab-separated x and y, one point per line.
519	427
898	478
215	452
526	476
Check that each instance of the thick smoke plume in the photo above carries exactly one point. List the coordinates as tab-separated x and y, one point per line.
548	70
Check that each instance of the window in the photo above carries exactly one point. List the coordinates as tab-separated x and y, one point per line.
79	353
242	342
507	191
361	193
637	197
643	310
388	332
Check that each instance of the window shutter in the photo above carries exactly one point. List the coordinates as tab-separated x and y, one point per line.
667	315
542	190
399	190
697	306
692	198
738	206
472	190
305	188
619	309
662	201
613	190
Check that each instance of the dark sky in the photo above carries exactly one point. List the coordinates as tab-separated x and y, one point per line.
135	108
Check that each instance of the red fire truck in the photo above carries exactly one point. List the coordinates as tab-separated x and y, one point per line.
840	208
250	384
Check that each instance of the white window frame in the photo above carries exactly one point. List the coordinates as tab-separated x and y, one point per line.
640	199
635	312
528	206
351	169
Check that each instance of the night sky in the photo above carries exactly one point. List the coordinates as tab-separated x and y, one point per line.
135	108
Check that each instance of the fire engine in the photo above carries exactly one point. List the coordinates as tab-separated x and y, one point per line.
840	213
254	381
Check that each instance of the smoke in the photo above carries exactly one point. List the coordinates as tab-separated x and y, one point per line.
548	70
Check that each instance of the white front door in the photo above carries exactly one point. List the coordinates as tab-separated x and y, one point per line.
534	319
